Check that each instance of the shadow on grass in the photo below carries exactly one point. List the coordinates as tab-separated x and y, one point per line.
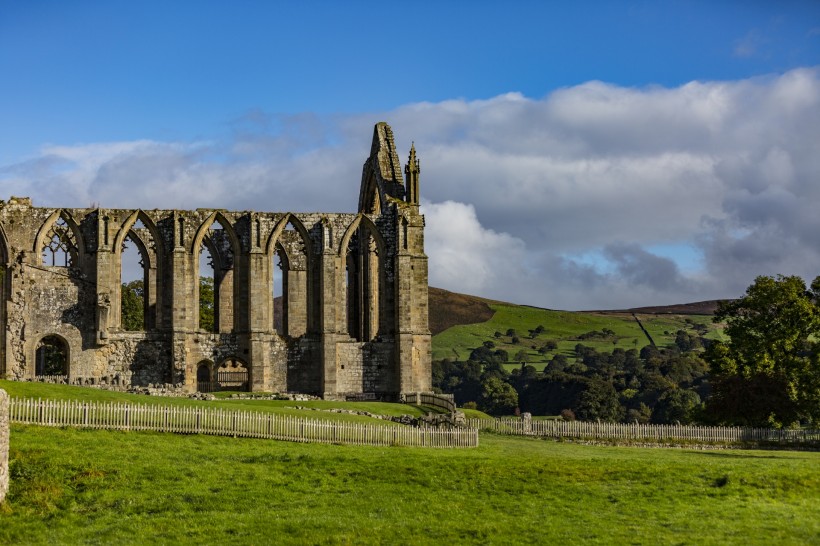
737	455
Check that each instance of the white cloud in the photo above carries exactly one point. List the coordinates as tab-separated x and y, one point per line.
729	168
467	255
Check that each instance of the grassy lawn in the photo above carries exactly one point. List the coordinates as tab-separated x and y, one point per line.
76	486
283	407
564	327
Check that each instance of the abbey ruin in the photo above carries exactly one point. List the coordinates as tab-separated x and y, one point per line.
353	313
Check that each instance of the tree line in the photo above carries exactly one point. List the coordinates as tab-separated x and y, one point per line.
766	372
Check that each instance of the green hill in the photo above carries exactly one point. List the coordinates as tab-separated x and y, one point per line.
464	329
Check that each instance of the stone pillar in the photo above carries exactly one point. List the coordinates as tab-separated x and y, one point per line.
265	377
526	422
183	305
413	347
4	444
297	310
328	284
106	268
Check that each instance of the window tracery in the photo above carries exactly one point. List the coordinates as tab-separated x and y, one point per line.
60	248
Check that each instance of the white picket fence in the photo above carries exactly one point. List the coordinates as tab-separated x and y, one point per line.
646	432
223	422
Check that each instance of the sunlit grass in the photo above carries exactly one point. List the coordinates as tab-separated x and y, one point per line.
75	486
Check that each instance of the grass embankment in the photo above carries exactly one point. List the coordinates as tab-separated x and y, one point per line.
74	486
564	327
282	407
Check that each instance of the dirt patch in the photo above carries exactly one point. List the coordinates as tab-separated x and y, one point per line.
448	309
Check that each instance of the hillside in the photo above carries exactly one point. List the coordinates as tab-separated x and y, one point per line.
707	307
448	309
460	323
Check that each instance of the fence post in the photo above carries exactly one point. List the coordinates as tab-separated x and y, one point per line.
526	422
4	443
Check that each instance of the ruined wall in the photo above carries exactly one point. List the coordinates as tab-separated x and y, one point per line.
4	444
354	312
365	367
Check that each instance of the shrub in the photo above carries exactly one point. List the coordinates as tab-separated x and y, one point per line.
567	415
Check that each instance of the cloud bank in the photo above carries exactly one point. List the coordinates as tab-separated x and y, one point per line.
576	200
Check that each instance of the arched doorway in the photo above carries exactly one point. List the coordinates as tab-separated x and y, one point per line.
51	357
203	378
232	375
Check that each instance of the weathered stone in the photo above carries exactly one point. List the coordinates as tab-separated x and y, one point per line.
353	313
4	444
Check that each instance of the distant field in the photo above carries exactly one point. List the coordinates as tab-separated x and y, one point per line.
564	327
73	486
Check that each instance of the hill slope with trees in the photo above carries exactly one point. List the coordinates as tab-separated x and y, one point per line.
756	361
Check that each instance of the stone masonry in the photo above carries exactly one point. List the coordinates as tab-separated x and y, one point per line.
4	444
353	317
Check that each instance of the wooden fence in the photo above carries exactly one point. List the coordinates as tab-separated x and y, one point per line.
222	422
647	433
441	401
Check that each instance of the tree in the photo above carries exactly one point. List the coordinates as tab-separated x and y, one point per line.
522	356
498	397
677	405
206	304
599	401
132	306
768	372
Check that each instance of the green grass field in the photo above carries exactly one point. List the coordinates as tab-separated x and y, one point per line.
283	407
79	486
563	327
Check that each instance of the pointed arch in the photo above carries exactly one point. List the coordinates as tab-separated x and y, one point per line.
296	277
75	248
365	222
223	221
129	222
151	253
292	219
363	254
226	290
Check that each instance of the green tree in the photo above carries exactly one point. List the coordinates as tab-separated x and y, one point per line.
677	405
132	306
768	372
522	356
599	401
498	397
206	304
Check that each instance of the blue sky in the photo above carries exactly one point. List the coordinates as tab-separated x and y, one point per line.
559	105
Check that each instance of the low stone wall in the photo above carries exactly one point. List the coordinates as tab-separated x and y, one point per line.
4	444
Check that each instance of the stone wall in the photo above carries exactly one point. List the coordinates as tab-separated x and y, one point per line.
353	316
4	444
